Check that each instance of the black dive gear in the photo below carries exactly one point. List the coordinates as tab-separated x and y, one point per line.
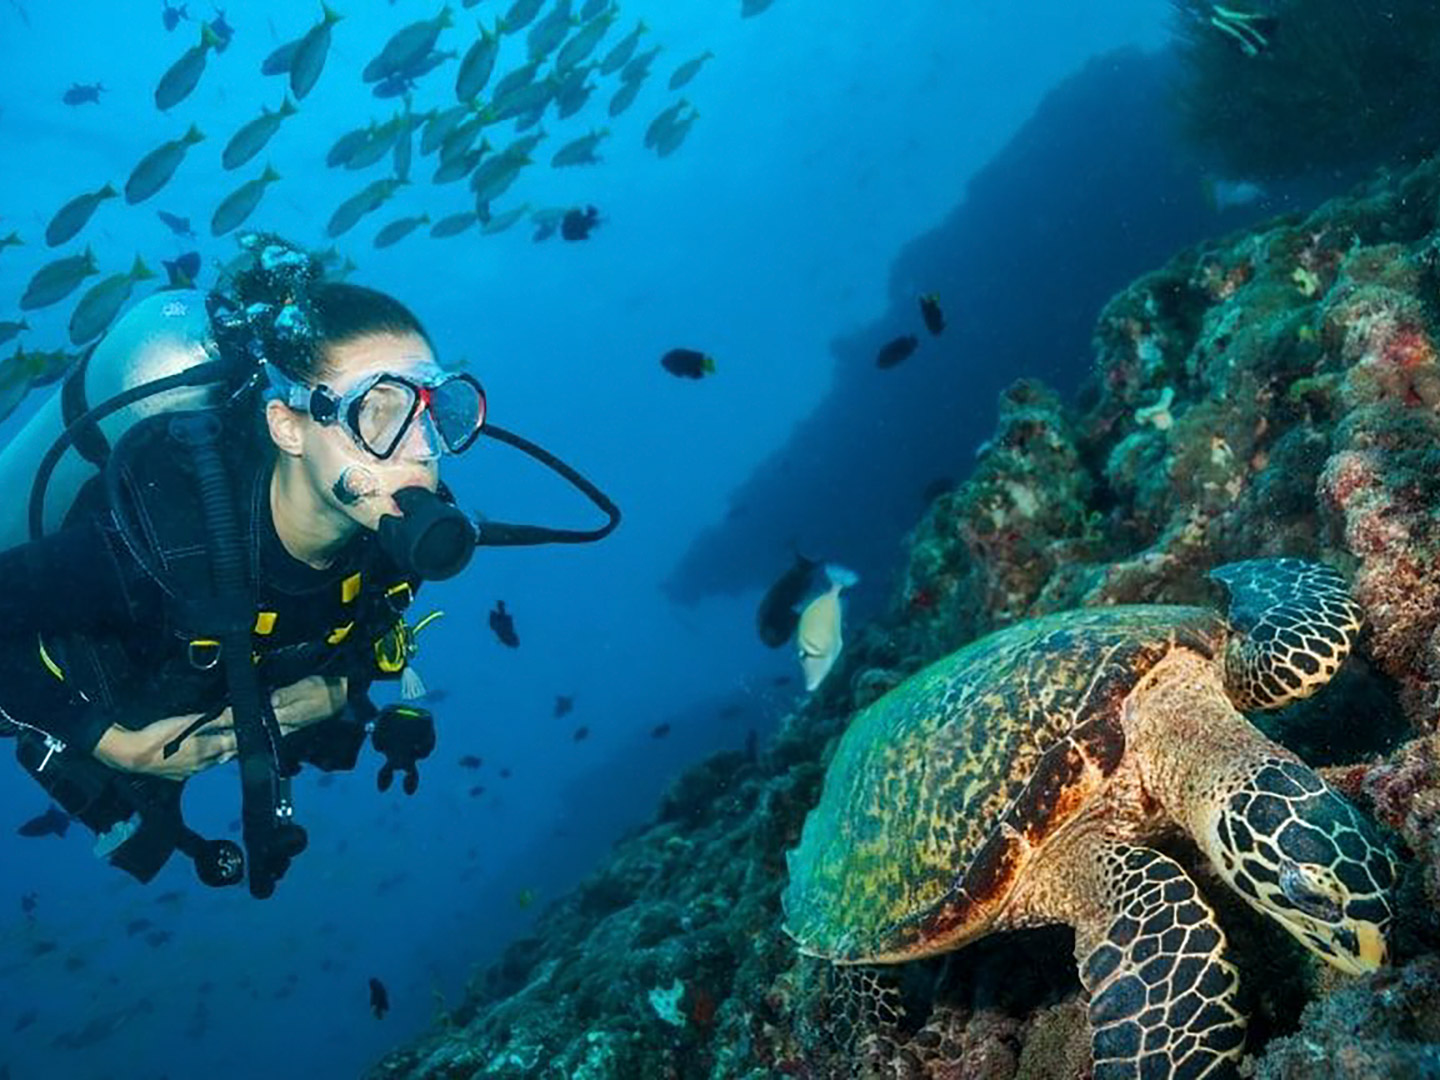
432	541
405	734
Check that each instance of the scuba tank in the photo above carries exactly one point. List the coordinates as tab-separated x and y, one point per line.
162	335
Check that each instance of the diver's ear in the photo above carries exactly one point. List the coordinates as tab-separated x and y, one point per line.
284	425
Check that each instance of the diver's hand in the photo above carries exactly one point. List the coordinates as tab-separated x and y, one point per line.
143	751
302	703
308	701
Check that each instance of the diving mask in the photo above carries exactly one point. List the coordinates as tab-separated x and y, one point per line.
380	410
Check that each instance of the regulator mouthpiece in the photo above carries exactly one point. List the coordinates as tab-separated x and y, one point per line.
433	541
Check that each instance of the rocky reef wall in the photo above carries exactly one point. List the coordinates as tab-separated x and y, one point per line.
1273	392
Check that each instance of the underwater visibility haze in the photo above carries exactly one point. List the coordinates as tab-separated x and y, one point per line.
887	327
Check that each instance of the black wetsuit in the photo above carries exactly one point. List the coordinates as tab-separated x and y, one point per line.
90	638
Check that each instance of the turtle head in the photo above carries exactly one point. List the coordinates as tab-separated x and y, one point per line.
1304	856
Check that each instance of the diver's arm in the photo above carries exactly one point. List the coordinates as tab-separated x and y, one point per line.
77	579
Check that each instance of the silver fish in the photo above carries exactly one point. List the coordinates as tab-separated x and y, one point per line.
177	83
579	151
56	280
688	70
155	169
478	64
620	54
547	34
582	43
280	59
368	200
102	302
398	229
453	225
241	203
439	126
500	222
624	97
252	137
407	47
72	217
12	328
520	15
310	54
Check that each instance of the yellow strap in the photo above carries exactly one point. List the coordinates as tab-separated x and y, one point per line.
340	633
350	588
264	622
53	667
426	621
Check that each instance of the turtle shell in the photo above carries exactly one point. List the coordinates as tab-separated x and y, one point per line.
941	790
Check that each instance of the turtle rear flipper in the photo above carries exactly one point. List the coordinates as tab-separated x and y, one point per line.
1295	623
1161	992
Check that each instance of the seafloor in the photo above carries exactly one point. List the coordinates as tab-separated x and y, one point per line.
1273	392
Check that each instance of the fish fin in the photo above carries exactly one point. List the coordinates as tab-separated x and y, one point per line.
841	577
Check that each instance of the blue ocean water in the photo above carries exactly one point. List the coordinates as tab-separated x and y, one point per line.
830	136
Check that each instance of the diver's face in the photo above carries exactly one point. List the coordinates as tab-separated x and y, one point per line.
331	453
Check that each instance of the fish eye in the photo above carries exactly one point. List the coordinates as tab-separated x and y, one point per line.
1305	896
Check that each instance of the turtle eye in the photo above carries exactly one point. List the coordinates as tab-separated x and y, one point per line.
1305	896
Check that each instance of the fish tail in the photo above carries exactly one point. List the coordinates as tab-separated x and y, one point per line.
841	577
328	14
708	364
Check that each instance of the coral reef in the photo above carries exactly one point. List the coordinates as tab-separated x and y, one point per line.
1274	392
1332	89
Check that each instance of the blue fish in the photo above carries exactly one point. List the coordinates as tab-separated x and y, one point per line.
180	226
171	16
81	93
53	822
182	271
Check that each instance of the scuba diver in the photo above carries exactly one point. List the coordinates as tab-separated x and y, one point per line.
221	555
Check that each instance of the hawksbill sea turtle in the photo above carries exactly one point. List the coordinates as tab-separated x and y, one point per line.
1022	780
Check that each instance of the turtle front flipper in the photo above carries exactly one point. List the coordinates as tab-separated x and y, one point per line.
1295	623
1161	992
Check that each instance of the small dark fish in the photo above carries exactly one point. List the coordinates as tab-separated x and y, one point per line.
577	224
896	351
28	902
504	625
53	822
170	896
171	16
137	926
379	999
182	271
581	734
41	948
932	313
74	963
564	705
729	712
688	363
83	93
659	731
477	791
178	225
222	30
778	613
326	779
781	680
505	773
471	761
25	1019
156	938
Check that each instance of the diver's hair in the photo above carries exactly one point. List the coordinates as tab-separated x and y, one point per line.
289	314
341	313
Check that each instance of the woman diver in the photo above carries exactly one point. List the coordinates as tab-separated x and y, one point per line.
231	587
